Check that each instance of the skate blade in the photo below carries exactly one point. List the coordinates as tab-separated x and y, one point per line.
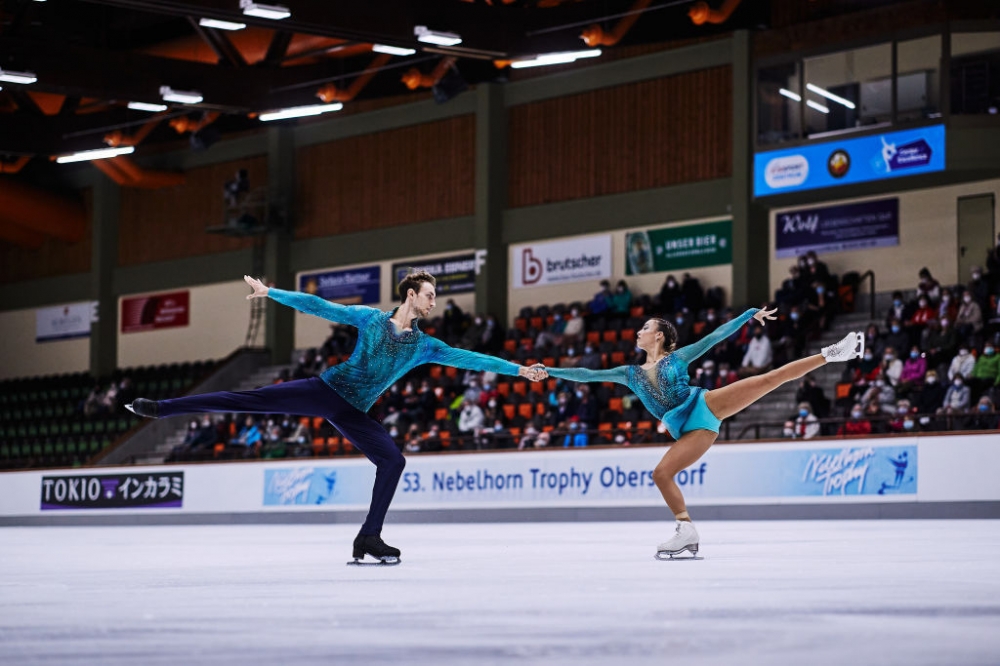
668	555
380	562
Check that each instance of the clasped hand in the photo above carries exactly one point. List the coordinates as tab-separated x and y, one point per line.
535	373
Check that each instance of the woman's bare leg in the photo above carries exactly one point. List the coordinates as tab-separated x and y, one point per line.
682	454
730	400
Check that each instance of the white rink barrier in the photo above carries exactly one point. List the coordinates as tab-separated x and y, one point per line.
870	471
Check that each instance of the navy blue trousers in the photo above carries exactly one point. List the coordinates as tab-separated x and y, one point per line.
313	397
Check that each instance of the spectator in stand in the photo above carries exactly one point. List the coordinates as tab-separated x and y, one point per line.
575	435
882	393
929	399
470	421
979	288
452	322
857	425
983	417
914	369
587	409
711	322
564	409
903	410
727	376
957	397
917	322
705	376
811	392
573	333
792	336
806	423
249	437
962	364
758	357
670	296
899	310
928	287
553	335
869	369
876	416
300	437
910	424
728	351
432	442
412	442
491	340
940	341
528	437
542	440
685	327
621	301
985	373
199	438
897	337
818	270
969	320
591	358
601	302
820	305
892	367
472	339
947	308
693	293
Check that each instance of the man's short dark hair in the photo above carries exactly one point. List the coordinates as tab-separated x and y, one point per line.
413	280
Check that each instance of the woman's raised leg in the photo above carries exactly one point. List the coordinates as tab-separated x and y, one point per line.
733	399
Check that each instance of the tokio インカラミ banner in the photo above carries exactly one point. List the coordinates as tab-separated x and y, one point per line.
163	490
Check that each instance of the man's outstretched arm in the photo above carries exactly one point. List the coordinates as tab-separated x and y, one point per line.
442	354
354	315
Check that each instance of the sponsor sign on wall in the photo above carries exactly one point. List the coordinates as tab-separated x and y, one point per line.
856	226
732	474
455	274
64	322
848	161
557	262
157	490
678	247
352	286
146	313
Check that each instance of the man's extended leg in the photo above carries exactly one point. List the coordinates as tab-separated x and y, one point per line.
308	397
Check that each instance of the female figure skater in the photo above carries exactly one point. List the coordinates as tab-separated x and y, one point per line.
389	345
691	414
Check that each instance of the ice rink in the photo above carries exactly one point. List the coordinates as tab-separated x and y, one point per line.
823	592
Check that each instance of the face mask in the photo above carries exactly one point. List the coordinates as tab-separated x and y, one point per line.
944	323
895	329
478	321
588	350
976	276
889	357
963	352
945	299
984	408
579	394
902	410
556	317
988	351
868	357
794	316
574	313
820	290
855	415
448	307
967	299
680	320
803	413
923	304
710	317
570	352
393	433
811	262
438	391
497	427
958	382
914	354
671	284
931	380
897	303
908	425
879	383
572	425
492	403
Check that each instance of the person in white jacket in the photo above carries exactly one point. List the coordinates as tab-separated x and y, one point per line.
806	424
961	364
758	357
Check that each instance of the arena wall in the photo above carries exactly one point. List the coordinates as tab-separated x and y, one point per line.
894	477
22	356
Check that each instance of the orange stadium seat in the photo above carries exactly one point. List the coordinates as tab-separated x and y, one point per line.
508	411
525	409
615	404
503	388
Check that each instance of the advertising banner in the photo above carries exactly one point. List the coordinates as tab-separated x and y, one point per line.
352	286
678	247
578	259
156	490
64	322
609	477
146	313
857	226
846	161
455	274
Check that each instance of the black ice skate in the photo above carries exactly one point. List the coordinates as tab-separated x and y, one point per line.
372	544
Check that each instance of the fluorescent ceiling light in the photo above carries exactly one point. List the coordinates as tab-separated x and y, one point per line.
818	107
559	58
392	50
143	106
301	111
435	37
221	25
17	77
260	10
790	95
829	95
180	96
100	154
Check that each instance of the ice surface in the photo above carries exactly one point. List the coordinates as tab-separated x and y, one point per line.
803	593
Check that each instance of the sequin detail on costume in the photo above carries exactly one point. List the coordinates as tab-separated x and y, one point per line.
383	354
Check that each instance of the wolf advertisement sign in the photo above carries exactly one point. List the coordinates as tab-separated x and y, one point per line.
857	226
812	473
579	259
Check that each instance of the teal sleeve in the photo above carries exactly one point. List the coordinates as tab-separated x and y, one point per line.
442	354
354	315
693	351
617	375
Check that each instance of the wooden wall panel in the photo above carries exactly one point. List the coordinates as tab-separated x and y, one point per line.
642	135
170	223
55	257
401	176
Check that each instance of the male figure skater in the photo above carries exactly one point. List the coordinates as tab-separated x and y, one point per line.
389	345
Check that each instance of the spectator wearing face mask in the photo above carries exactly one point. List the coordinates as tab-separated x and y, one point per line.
941	342
914	369
706	377
758	357
962	364
684	326
553	335
876	416
670	295
985	373
969	320
621	300
978	287
917	322
956	398
869	368
930	398
806	423
983	416
928	287
587	409
903	411
947	308
590	358
897	337
575	436
892	367
470	419
573	333
899	310
881	392
819	304
857	425
818	270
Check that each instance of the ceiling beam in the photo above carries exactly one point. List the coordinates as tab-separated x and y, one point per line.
218	42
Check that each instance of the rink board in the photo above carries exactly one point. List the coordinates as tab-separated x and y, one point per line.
736	480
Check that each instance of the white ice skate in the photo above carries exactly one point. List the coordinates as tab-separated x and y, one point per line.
685	539
852	346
